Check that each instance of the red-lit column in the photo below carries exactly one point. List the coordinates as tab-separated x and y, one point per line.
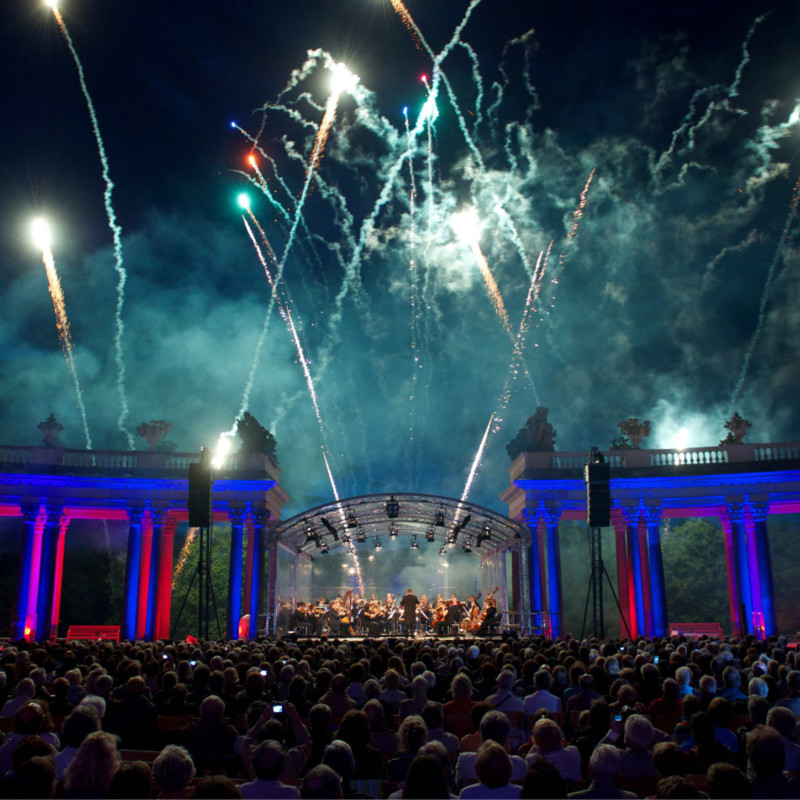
166	553
248	564
24	624
623	590
635	599
146	554
59	573
47	573
644	569
730	563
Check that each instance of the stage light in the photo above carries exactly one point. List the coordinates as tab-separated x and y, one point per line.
438	517
378	545
345	536
393	531
443	551
430	534
352	522
324	549
392	508
414	543
467	548
310	532
361	537
486	530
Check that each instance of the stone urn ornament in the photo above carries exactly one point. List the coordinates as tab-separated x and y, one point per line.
635	431
154	432
50	428
737	428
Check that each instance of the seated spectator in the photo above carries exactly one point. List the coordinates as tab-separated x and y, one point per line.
339	757
707	750
215	787
782	719
472	741
548	744
604	771
28	721
425	779
721	711
415	704
637	760
677	786
266	763
727	782
209	739
792	699
458	710
35	777
173	770
382	739
506	701
321	783
542	697
319	721
336	697
94	765
665	711
493	769
135	718
433	716
354	729
588	737
23	694
543	781
767	758
708	691
132	781
438	751
392	694
77	726
355	688
731	680
669	759
683	677
413	734
494	726
59	705
582	699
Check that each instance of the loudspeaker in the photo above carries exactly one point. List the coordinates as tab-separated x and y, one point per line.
598	495
200	494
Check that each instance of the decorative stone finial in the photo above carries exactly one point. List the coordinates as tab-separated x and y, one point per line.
255	437
154	431
538	436
51	427
737	428
635	431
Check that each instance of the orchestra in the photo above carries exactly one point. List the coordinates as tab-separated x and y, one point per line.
353	615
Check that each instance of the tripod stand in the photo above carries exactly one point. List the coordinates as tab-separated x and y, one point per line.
595	590
205	587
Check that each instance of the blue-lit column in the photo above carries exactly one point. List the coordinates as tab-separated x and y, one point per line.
736	512
532	517
158	516
652	518
759	513
237	516
638	623
131	595
260	517
555	596
24	614
47	575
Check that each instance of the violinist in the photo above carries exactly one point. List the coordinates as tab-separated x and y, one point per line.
440	615
424	611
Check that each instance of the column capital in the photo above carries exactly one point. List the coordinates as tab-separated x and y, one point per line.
54	513
759	511
652	514
30	511
158	516
135	515
736	511
551	515
237	515
260	516
631	514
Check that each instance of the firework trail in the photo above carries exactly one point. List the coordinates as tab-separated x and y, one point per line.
752	238
402	11
41	235
492	288
476	461
116	232
412	276
191	537
776	260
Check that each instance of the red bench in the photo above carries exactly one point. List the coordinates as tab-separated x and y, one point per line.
93	632
695	629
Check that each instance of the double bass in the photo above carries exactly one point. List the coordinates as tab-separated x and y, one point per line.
490	603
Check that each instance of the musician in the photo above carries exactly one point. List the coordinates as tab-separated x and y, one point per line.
455	611
440	615
390	613
490	617
409	605
372	617
425	612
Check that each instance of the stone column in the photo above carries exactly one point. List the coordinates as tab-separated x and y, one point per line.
521	572
759	512
555	605
237	517
532	518
157	518
741	562
146	556
24	624
160	588
623	585
652	519
130	598
644	569
272	580
47	574
730	563
59	573
636	603
259	517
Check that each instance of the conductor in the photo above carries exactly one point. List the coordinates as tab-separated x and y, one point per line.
409	603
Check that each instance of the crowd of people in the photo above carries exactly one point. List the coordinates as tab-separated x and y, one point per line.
392	717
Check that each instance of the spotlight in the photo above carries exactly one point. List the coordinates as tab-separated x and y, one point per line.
310	533
361	537
430	534
392	508
352	522
486	530
345	535
443	551
393	531
467	546
414	543
438	517
378	545
324	549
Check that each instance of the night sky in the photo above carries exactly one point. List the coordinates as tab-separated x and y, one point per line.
673	296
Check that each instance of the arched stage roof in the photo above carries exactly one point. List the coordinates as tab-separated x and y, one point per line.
332	524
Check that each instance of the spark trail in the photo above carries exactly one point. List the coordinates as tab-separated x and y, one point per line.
42	238
776	260
116	232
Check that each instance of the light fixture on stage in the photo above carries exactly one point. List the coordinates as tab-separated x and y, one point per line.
392	508
345	536
438	517
467	548
352	522
414	542
393	531
378	545
310	533
486	530
451	539
443	551
361	537
324	549
430	534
